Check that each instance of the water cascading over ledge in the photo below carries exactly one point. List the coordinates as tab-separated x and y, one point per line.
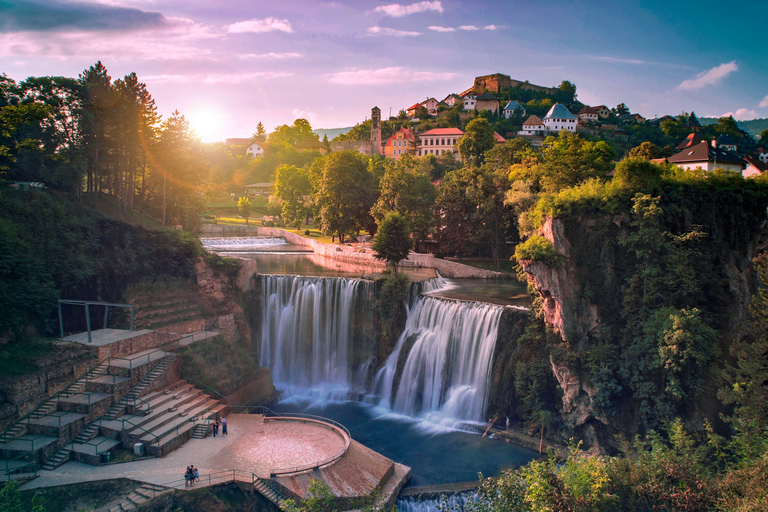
317	338
307	331
440	368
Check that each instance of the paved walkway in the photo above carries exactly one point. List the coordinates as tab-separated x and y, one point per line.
251	445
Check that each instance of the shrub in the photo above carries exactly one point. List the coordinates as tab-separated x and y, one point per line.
538	248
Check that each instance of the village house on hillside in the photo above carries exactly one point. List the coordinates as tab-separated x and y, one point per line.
533	127
511	107
452	99
431	106
311	144
559	118
707	157
439	140
255	150
487	101
400	143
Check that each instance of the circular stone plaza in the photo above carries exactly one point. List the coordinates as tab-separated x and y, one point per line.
282	453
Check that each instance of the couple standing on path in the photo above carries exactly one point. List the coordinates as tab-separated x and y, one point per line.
223	427
191	476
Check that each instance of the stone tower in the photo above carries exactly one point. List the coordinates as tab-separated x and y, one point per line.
375	131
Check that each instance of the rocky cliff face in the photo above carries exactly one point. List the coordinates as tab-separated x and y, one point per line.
582	301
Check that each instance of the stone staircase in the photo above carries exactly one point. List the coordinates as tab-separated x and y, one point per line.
267	491
202	430
57	460
174	413
137	497
121	406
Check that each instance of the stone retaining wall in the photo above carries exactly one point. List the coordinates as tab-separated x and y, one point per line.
366	255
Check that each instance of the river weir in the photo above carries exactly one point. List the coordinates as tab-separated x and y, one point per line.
421	402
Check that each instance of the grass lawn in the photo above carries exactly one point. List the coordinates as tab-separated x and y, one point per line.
487	264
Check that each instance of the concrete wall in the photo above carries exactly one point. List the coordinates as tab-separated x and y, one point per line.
136	344
363	255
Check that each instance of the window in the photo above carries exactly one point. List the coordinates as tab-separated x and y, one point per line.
419	152
437	152
442	142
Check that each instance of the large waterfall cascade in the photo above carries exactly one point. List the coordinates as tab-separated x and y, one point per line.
308	326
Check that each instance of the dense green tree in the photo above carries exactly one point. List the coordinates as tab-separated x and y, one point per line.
293	189
764	136
343	193
393	241
569	160
647	151
320	499
292	134
477	139
637	174
513	151
178	173
260	135
244	208
406	188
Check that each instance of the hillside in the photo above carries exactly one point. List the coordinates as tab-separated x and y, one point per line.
752	127
331	132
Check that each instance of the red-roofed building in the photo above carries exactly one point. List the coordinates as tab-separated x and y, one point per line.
498	139
399	144
533	126
439	140
411	111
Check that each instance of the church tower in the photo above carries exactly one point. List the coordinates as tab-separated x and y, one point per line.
375	131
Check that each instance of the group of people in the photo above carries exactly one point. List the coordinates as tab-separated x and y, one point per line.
191	476
223	425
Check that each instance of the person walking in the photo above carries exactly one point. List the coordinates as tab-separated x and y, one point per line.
197	475
215	428
224	426
188	477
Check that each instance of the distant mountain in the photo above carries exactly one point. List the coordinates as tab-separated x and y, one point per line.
752	127
335	132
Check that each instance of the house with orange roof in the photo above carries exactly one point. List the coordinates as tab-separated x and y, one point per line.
400	143
533	127
411	111
438	141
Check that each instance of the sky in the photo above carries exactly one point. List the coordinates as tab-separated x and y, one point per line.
228	65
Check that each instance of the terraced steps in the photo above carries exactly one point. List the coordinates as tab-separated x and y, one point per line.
201	431
57	460
267	491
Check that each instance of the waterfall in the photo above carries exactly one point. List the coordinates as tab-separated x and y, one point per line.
455	502
307	329
312	339
446	373
240	243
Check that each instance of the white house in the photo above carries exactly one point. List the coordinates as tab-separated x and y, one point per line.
762	155
708	158
511	107
754	167
453	99
255	150
470	100
533	126
559	118
438	141
430	105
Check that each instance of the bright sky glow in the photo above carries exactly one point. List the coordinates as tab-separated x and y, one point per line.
331	61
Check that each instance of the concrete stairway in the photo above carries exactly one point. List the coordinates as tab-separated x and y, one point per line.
267	491
137	497
121	406
57	460
202	430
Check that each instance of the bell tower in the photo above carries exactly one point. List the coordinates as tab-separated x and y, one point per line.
375	131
